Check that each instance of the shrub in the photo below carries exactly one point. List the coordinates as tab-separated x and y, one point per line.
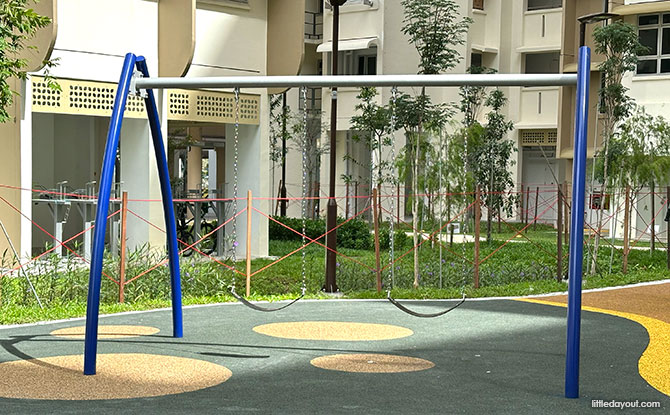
354	234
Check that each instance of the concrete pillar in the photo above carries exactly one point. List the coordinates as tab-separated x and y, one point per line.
10	173
26	168
253	173
139	175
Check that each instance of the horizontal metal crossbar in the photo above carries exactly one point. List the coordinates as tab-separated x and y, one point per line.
358	81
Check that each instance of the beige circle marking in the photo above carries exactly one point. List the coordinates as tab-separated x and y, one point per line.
119	376
371	363
333	331
106	332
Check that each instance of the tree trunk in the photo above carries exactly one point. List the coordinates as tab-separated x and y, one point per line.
653	219
596	243
415	208
626	230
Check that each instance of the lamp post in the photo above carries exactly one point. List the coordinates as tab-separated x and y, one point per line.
331	218
282	191
593	18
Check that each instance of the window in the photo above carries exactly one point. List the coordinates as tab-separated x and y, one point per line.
544	4
355	62
476	59
654	32
547	62
367	65
478	4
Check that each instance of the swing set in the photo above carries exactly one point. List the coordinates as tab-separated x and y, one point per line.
135	79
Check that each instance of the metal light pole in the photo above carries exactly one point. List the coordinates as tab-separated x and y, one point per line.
282	192
331	218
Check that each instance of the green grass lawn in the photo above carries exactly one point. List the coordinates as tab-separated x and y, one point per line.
520	268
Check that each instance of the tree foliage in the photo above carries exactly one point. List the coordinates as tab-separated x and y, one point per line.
473	97
18	24
640	152
620	44
372	126
494	158
433	26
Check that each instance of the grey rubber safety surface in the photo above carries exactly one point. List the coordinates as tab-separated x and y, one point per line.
498	356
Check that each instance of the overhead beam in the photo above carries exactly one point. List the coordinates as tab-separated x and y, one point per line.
358	81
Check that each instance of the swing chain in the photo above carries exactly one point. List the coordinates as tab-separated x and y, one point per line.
303	90
235	180
394	98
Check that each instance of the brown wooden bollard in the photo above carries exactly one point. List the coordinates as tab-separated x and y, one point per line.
122	255
248	242
478	212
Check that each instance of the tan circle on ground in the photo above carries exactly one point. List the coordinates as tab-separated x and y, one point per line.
333	331
118	376
371	363
106	332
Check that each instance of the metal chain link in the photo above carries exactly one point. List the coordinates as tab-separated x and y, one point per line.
235	180
391	275
303	90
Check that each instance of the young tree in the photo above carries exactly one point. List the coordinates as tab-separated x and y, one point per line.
18	24
620	44
473	97
435	28
372	124
306	130
493	158
639	153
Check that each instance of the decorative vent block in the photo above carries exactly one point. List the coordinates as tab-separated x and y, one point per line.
538	137
82	98
45	96
213	107
97	99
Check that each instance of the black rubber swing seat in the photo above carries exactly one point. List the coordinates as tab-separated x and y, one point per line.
259	308
423	315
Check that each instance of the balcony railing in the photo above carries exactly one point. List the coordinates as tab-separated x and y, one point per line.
313	25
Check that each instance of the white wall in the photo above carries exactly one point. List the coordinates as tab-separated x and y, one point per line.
94	36
253	174
230	41
139	177
65	148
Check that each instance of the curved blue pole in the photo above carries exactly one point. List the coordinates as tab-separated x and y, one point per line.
168	209
577	225
93	301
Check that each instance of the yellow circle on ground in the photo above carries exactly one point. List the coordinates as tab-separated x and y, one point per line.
333	331
106	332
119	376
371	363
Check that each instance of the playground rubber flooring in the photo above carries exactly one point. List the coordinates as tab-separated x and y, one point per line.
494	356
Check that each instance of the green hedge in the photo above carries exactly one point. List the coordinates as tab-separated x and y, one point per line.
354	234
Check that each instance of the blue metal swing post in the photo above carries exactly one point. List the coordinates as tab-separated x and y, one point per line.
93	302
577	225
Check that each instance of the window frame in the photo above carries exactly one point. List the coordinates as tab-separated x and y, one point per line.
556	57
528	9
659	56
